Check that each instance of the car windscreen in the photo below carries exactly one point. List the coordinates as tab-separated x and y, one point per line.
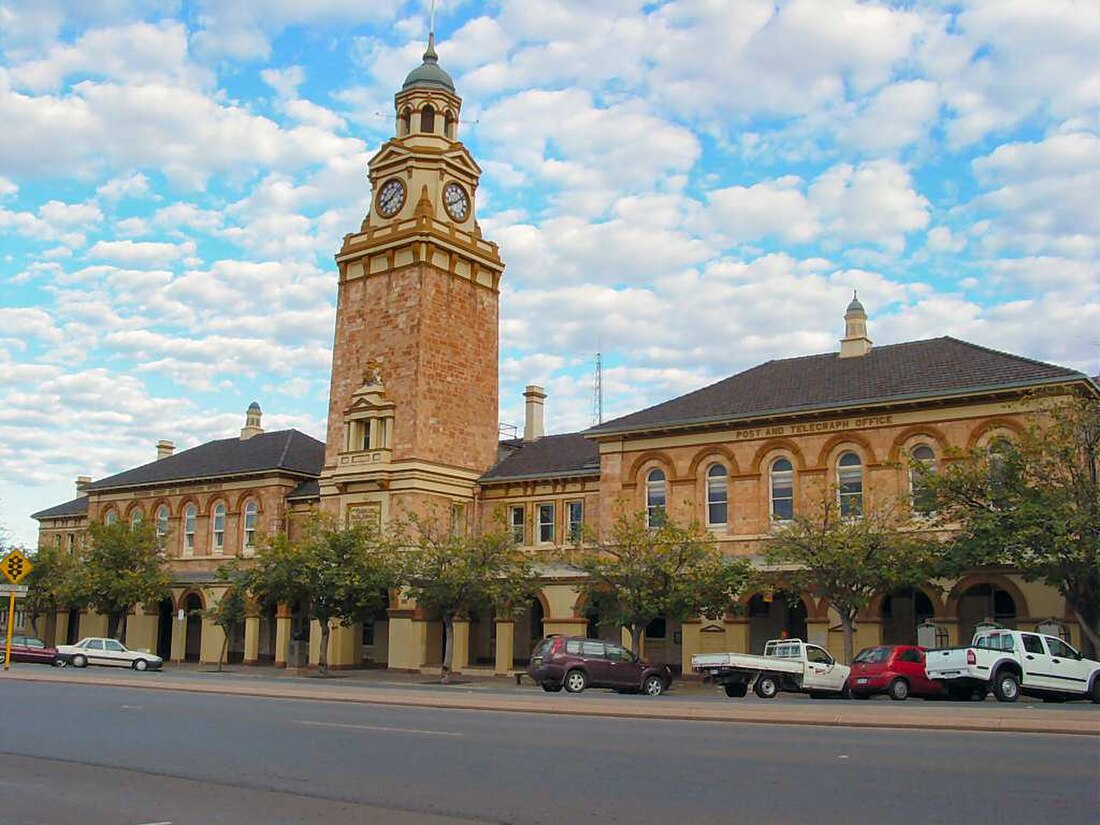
872	655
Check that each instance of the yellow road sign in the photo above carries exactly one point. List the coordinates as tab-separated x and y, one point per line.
15	567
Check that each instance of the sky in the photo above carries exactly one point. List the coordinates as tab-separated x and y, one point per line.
688	187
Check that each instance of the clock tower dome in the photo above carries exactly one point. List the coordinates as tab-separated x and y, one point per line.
412	419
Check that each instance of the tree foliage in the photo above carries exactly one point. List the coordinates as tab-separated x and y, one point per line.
848	560
1033	502
51	583
122	566
336	573
232	608
673	571
456	575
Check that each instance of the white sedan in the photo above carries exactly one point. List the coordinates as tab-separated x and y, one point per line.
99	651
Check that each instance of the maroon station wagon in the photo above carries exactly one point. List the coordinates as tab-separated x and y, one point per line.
28	649
575	663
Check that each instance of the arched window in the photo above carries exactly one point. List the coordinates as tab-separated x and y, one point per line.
655	498
921	460
717	496
162	521
250	511
427	119
782	489
189	514
849	485
110	517
217	528
136	517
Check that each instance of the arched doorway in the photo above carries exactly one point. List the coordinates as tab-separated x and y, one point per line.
901	612
164	629
985	603
72	627
266	646
780	616
527	632
192	646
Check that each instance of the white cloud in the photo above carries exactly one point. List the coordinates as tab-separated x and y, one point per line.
132	185
145	253
7	188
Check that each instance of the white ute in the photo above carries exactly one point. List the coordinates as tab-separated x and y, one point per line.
1012	662
787	664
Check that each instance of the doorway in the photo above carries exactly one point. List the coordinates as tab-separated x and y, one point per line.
164	629
192	648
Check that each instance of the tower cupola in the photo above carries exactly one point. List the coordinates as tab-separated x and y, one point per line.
855	341
252	418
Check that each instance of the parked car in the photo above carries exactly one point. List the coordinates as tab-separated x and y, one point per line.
1011	662
787	665
576	663
99	651
896	670
28	649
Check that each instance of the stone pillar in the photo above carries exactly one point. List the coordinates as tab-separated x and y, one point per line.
141	630
345	649
460	640
92	624
282	634
565	627
506	640
213	637
61	627
868	633
738	634
403	642
252	640
951	625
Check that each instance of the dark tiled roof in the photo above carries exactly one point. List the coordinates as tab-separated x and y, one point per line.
76	507
288	450
307	489
551	455
918	369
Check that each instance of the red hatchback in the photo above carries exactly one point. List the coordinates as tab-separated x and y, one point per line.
29	649
896	670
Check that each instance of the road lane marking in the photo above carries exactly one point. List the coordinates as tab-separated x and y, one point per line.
376	728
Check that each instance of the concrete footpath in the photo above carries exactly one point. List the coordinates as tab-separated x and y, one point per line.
688	701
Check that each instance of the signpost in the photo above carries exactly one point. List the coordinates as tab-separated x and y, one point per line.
15	567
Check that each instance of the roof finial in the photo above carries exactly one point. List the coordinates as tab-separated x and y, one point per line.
430	55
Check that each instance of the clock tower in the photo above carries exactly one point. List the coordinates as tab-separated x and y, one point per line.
412	419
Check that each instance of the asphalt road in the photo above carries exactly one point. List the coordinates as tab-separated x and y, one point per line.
91	755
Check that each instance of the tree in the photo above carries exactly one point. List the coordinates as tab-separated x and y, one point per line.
456	575
122	567
338	574
232	608
846	560
51	583
1033	502
642	573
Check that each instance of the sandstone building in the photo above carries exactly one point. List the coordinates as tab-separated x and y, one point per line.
412	428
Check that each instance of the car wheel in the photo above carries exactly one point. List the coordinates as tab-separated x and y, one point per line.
141	664
1095	690
80	661
550	687
736	690
3	657
855	694
898	690
653	686
1006	687
575	681
766	687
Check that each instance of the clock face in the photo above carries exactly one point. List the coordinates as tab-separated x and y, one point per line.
391	197
456	201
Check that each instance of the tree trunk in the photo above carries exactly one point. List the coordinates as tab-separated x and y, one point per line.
847	624
322	657
448	649
225	646
636	631
120	627
1089	629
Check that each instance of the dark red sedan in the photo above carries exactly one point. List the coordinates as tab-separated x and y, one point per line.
28	649
896	670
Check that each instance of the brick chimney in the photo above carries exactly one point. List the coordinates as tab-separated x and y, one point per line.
82	483
165	448
532	420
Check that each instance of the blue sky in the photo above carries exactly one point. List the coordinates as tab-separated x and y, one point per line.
692	187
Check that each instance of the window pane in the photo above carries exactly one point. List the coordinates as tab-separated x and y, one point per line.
546	522
717	510
782	490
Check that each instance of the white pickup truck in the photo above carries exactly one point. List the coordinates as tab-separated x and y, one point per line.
787	664
1012	662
